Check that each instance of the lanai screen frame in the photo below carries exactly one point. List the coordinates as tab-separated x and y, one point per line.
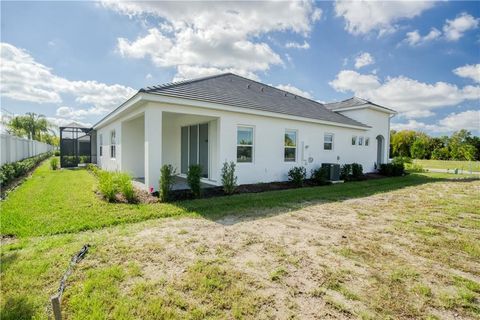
77	146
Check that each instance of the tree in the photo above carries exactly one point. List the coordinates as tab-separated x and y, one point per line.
31	125
401	142
421	147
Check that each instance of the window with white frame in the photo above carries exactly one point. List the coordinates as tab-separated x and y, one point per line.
290	144
367	141
101	144
354	140
328	141
245	144
113	149
360	141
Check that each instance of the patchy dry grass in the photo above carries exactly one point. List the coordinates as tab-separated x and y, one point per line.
412	253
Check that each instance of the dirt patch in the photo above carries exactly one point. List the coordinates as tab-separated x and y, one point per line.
360	258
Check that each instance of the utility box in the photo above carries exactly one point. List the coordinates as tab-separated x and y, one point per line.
332	170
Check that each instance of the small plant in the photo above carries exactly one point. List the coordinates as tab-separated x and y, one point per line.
297	175
319	176
56	153
229	179
345	171
107	186
54	163
124	183
93	169
193	179
357	171
167	178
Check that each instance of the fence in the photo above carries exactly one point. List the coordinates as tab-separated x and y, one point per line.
15	149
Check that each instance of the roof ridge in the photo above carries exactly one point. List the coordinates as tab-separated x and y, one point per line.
182	82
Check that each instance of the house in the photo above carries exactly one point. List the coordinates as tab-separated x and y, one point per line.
226	117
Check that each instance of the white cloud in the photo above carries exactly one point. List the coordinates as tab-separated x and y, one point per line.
297	45
471	71
454	29
62	122
362	17
410	97
364	59
25	79
414	38
294	90
469	120
222	35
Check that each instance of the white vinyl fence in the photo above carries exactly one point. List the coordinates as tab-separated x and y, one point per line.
15	149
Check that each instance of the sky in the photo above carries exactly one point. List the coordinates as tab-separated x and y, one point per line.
77	61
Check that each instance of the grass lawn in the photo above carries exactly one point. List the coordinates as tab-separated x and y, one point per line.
398	248
450	164
63	201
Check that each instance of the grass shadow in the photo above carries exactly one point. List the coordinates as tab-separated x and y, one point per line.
17	308
232	209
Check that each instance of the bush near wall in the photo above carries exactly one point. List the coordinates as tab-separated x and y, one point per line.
111	184
351	172
11	171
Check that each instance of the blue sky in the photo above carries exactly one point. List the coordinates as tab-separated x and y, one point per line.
79	60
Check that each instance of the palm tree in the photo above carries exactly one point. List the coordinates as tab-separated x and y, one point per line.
31	125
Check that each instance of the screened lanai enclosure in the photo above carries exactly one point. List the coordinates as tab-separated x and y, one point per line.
77	146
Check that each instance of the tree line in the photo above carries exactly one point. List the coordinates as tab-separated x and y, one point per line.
461	145
33	126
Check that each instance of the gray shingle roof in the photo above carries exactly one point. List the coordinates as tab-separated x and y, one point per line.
233	90
353	102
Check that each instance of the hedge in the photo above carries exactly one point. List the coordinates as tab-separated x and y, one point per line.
11	171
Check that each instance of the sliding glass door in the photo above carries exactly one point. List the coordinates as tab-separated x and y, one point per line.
194	148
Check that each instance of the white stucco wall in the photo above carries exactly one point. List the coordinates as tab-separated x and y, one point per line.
133	135
268	164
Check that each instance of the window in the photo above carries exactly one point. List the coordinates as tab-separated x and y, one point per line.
367	142
290	143
328	141
245	144
360	141
101	144
113	151
354	140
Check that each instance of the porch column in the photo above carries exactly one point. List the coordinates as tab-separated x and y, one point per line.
153	146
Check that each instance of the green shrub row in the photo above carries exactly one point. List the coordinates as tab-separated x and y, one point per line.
112	183
298	175
11	171
351	172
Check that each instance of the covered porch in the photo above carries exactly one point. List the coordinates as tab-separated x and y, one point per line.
154	138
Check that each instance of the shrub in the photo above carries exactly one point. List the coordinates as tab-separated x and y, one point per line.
93	168
351	172
124	182
54	163
229	179
10	171
319	176
401	160
56	153
167	176
193	179
297	175
107	186
345	171
357	171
